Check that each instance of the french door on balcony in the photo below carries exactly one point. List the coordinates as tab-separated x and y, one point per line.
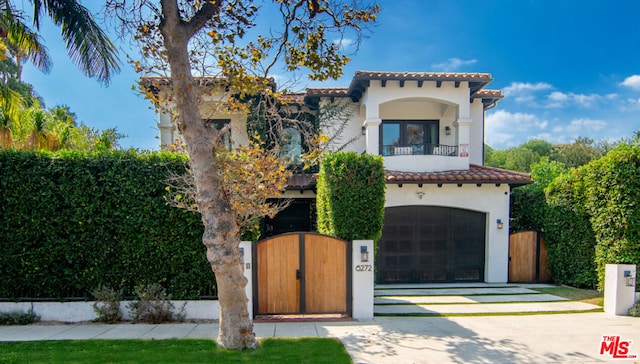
402	137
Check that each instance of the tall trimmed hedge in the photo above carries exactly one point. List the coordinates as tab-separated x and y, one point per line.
612	198
593	218
71	222
350	196
568	234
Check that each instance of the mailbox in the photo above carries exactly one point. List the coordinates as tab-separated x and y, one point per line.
619	288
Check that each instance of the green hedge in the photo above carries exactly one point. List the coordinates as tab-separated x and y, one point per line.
612	198
350	196
71	222
568	234
593	218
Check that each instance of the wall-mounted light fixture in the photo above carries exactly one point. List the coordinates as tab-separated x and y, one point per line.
629	279
420	194
500	224
364	254
364	130
447	130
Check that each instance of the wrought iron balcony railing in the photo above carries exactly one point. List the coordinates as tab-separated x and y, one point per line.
420	149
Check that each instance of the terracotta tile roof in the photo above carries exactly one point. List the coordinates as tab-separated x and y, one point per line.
489	93
489	97
158	81
165	81
301	181
474	175
360	82
295	97
444	76
327	92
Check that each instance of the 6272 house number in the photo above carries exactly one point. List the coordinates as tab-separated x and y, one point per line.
364	268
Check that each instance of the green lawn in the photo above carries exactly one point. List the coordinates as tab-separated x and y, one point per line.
303	350
574	294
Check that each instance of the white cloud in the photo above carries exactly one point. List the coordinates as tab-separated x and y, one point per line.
558	99
553	138
521	87
632	82
585	125
344	43
505	129
558	96
524	92
633	103
453	64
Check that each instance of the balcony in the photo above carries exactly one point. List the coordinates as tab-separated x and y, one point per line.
423	158
420	149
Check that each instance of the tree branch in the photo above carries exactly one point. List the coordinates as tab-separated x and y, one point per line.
202	16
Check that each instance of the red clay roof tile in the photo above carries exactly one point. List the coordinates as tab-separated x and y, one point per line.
474	175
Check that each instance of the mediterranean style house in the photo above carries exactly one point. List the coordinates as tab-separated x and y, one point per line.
446	214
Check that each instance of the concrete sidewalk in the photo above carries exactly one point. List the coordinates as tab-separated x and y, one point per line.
573	338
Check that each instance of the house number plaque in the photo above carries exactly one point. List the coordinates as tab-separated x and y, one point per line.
364	268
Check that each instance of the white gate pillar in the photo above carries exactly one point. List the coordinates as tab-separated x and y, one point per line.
362	269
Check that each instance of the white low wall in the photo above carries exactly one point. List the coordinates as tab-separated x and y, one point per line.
83	311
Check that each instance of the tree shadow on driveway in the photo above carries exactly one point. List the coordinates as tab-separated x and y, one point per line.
399	340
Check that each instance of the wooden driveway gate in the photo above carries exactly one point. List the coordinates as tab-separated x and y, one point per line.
302	273
528	258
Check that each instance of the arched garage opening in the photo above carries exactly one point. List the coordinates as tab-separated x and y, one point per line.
427	244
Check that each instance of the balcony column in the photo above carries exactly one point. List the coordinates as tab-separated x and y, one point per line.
372	129
167	130
463	136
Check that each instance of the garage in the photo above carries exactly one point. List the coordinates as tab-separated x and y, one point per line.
428	244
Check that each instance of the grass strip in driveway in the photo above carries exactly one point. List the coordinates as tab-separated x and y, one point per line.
527	313
302	350
574	294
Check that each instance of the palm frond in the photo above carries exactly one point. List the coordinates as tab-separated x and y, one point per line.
21	38
87	44
11	102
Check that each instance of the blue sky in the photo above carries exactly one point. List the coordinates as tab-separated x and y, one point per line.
568	68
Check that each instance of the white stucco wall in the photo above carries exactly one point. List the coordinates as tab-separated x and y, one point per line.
424	163
476	133
488	198
448	104
350	138
83	311
447	92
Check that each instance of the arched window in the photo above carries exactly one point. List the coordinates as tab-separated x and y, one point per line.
291	145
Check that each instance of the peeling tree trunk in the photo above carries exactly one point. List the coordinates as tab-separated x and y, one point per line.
222	234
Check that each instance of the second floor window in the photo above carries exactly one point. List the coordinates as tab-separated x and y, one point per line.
291	145
219	124
408	137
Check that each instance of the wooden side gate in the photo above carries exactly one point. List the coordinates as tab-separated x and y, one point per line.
528	260
300	273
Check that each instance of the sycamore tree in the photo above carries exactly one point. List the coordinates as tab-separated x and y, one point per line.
243	44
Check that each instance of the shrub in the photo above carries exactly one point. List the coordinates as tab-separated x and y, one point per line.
18	318
593	218
612	187
153	305
107	305
567	229
635	310
350	198
71	222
